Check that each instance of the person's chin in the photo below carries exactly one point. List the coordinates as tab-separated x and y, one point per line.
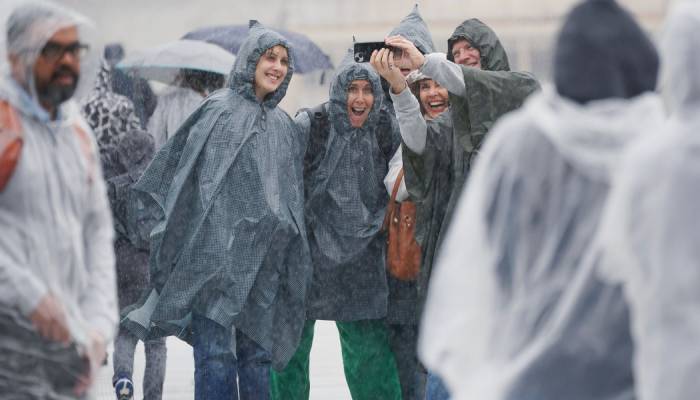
57	94
357	122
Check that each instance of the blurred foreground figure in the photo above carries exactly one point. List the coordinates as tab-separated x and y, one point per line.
125	151
515	309
57	286
230	262
651	229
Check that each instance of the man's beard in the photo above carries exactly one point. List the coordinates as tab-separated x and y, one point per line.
54	93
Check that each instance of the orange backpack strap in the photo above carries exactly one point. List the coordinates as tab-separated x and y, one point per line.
11	142
86	148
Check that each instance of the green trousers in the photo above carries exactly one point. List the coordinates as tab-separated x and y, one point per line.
370	368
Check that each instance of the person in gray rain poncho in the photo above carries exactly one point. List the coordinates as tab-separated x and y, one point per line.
437	154
650	233
345	209
57	288
125	151
230	252
402	313
515	308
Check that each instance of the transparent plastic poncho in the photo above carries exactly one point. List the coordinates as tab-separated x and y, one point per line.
28	362
515	308
651	234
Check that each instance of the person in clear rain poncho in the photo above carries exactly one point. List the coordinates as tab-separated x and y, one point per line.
229	257
515	309
58	304
345	207
650	233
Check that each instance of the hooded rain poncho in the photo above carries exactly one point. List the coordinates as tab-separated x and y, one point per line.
434	179
346	207
231	243
56	229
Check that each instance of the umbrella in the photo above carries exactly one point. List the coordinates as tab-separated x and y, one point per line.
163	63
308	56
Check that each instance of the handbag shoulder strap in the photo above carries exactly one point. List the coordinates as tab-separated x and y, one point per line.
397	185
392	201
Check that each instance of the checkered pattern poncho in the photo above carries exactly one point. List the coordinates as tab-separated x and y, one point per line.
345	208
231	243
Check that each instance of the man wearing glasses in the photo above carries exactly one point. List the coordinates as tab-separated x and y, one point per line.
57	285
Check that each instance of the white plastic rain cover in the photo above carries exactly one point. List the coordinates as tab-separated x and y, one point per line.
651	231
31	367
515	308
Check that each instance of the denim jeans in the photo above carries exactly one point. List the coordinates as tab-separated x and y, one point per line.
435	389
156	353
216	367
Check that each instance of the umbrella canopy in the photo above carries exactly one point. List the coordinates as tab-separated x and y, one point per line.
308	56
163	63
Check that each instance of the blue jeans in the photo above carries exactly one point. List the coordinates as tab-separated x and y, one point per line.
435	389
216	367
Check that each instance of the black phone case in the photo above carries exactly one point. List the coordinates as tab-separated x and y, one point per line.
363	51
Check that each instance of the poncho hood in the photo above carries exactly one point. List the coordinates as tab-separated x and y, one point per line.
483	38
592	136
242	76
414	28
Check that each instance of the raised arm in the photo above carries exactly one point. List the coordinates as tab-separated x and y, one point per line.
435	66
411	123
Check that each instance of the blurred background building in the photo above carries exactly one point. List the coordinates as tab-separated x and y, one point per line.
526	28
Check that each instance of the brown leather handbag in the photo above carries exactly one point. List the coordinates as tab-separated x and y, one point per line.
403	252
10	142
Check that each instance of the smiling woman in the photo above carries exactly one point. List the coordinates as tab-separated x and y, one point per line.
271	71
434	99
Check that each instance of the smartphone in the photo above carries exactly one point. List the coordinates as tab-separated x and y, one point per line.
363	51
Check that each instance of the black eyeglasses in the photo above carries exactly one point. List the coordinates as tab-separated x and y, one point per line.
53	51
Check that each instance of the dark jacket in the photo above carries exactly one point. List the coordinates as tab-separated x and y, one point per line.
434	179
